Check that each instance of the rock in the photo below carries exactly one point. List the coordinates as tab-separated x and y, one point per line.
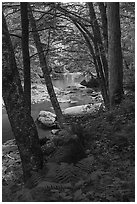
83	82
72	87
43	140
91	83
94	94
46	120
73	102
39	92
55	131
89	90
63	100
69	92
89	108
48	148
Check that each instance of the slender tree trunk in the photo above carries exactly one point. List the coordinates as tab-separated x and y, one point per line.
98	40
22	124
46	72
103	14
115	54
26	57
98	66
99	53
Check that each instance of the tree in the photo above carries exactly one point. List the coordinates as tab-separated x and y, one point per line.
102	8
25	54
114	55
22	124
46	72
94	42
98	41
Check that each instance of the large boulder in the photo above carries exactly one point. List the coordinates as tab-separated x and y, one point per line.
46	120
83	109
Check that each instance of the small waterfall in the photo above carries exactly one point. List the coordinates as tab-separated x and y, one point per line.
72	78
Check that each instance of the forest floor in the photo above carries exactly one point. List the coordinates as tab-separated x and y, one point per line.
105	175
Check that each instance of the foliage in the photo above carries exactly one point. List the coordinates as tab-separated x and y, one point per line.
66	46
105	175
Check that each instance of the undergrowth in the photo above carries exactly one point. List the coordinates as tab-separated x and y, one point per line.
105	175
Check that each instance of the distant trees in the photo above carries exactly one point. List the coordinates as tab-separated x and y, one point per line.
22	124
115	55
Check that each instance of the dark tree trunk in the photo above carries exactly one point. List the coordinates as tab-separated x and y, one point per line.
26	57
22	124
46	73
115	54
103	14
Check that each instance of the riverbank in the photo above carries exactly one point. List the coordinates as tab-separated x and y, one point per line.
108	141
69	93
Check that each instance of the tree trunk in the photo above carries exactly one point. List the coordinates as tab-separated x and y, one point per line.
103	14
101	64
115	55
98	65
98	41
46	73
22	124
26	57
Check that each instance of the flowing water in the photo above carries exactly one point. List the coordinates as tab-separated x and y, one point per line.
68	79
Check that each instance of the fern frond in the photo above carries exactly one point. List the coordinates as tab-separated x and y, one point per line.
86	164
66	173
36	178
52	185
52	169
23	195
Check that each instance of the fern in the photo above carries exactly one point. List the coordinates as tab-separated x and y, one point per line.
23	195
66	173
52	185
36	178
86	165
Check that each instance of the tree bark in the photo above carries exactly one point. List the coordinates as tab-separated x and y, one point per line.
115	54
103	14
26	57
22	124
46	73
98	41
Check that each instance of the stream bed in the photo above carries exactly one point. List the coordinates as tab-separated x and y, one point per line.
67	83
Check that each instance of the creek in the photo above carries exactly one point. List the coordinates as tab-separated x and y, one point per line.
67	80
